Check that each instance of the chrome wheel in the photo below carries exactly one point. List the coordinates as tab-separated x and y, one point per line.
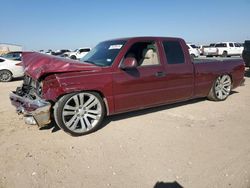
80	112
223	87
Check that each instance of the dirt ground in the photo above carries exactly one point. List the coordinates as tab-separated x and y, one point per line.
197	144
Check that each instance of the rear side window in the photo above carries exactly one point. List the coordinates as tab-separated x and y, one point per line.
237	45
231	45
173	52
221	45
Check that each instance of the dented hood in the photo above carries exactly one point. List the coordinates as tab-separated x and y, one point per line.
37	64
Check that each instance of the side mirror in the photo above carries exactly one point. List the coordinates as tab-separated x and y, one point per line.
129	63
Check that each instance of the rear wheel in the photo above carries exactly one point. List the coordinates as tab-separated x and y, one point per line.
221	88
79	113
5	76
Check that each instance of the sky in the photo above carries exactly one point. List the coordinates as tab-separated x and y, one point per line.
70	24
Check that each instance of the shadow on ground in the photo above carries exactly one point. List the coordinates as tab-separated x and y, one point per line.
54	128
167	185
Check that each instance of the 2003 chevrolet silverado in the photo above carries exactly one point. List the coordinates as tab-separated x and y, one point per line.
118	76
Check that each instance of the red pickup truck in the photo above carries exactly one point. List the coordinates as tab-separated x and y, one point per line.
118	76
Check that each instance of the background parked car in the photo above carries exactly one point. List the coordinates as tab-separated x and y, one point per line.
227	49
200	48
246	53
210	50
78	53
61	52
50	52
193	50
10	69
16	55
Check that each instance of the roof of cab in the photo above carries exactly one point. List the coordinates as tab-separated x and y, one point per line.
146	38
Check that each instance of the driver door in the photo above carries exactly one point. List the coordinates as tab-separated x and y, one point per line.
142	86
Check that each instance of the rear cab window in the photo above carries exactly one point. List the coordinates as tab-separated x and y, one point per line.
173	52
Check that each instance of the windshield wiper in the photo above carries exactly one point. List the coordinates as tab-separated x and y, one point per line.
94	63
87	61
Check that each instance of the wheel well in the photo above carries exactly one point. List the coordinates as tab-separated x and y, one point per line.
103	98
96	91
231	78
7	70
213	82
225	74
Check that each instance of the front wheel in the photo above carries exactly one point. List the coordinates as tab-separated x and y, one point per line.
221	88
192	56
79	113
73	57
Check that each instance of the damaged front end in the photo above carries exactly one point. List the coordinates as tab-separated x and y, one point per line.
28	102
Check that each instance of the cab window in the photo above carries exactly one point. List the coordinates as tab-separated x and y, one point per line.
145	53
173	52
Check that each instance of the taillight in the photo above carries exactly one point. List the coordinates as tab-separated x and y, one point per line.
19	64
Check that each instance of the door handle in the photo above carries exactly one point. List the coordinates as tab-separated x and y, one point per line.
160	74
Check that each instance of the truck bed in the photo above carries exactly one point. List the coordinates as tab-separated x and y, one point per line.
207	70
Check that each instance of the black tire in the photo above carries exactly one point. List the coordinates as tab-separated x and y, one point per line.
73	57
224	54
213	94
5	76
192	56
60	119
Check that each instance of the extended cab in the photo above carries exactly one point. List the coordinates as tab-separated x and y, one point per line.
118	76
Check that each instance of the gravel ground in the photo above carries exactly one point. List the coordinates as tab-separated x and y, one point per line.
200	143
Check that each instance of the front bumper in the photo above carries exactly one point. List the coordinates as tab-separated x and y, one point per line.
39	109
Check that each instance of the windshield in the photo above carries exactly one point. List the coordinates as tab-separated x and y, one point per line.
193	46
104	53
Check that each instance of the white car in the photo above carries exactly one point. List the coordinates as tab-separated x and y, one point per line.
78	53
210	50
200	48
193	50
10	69
226	49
